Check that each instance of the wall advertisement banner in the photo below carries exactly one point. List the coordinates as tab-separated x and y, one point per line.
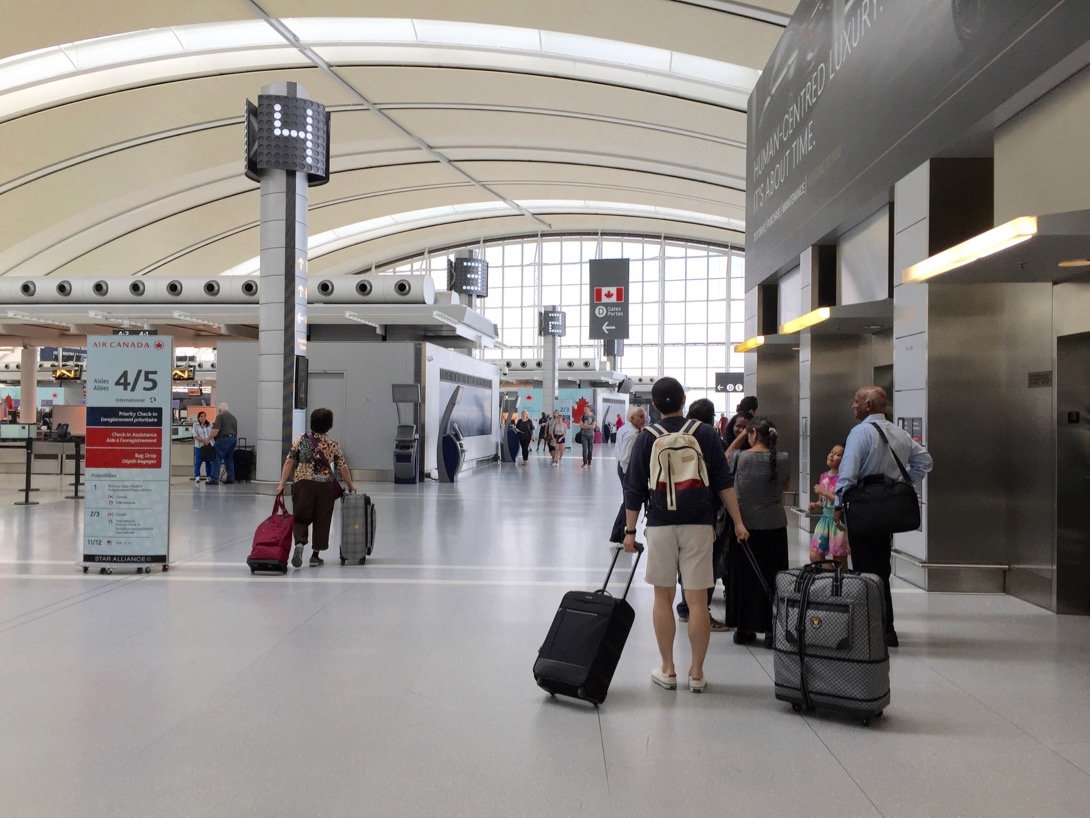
858	94
126	516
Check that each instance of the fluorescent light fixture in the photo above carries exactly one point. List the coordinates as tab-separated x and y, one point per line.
33	319
987	243
192	319
804	321
750	345
1075	262
359	319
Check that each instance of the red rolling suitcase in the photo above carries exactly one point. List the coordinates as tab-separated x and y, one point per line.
584	644
272	540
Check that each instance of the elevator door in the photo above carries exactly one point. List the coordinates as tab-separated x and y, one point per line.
1073	474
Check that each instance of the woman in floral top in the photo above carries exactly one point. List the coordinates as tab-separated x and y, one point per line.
313	464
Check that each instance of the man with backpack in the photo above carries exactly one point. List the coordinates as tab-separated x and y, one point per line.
675	466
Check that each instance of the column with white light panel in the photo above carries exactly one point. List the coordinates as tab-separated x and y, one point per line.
287	150
28	385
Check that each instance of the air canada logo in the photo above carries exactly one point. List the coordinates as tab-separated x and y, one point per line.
158	344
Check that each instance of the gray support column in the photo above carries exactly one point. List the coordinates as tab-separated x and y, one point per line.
911	243
282	326
287	150
550	381
28	385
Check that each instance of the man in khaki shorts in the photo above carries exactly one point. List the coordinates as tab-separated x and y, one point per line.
679	541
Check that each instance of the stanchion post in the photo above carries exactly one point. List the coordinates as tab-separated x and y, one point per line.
26	501
75	495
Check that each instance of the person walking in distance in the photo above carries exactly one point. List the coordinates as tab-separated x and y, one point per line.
675	465
587	427
224	438
524	429
867	454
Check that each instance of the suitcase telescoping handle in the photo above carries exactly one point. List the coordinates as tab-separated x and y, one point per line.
616	553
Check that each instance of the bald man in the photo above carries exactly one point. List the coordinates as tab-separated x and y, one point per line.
865	454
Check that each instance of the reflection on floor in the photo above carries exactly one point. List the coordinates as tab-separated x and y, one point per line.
404	687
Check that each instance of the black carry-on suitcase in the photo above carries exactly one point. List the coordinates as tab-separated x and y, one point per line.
585	641
830	643
357	528
245	459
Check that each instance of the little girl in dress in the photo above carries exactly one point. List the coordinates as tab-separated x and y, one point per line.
829	541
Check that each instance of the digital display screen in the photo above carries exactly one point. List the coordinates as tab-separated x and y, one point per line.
68	372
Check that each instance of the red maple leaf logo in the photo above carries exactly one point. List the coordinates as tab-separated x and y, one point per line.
608	294
158	344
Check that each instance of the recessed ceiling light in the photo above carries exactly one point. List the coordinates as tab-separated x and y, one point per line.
1075	262
872	327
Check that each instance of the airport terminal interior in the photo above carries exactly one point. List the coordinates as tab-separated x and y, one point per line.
430	217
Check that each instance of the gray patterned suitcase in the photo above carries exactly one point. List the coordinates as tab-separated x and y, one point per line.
829	641
357	528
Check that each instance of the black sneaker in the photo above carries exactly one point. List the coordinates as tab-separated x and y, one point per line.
228	482
297	557
315	560
744	637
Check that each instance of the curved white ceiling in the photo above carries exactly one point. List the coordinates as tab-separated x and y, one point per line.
121	154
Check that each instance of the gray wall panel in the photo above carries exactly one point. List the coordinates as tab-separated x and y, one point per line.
990	497
778	392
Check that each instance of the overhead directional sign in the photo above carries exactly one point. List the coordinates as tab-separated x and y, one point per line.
608	317
729	382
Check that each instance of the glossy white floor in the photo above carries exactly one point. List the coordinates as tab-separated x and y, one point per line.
404	687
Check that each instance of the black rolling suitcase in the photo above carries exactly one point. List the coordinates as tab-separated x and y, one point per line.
585	641
245	459
830	645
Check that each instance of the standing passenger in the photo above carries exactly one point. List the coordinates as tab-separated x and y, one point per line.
202	436
866	454
224	438
558	431
678	540
760	474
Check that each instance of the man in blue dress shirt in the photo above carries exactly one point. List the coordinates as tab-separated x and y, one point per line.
866	454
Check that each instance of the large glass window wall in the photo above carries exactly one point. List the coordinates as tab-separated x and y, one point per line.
686	302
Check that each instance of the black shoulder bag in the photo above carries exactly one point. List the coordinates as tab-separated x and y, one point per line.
878	504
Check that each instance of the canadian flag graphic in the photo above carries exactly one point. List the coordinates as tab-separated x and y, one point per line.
608	294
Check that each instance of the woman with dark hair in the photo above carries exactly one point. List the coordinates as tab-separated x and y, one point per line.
760	475
313	463
747	408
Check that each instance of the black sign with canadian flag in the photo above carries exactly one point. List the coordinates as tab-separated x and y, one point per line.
608	299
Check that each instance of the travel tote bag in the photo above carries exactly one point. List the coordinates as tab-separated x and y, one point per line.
878	504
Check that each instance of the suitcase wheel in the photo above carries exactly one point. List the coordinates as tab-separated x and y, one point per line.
797	708
363	560
252	570
86	569
343	560
866	721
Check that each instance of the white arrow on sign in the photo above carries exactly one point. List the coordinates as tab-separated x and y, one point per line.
607	327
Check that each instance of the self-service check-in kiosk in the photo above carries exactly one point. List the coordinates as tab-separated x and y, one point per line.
452	452
406	439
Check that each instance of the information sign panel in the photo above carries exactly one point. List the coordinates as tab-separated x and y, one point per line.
127	511
729	382
608	299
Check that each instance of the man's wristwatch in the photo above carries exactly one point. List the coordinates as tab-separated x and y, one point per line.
630	531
